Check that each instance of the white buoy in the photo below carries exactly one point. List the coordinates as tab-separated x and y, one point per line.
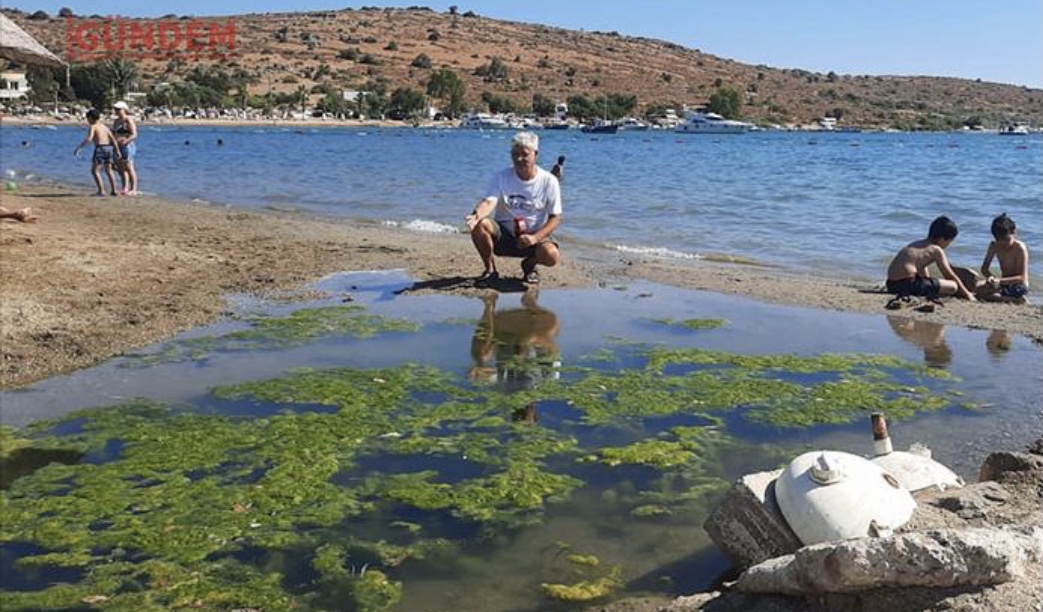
832	495
915	470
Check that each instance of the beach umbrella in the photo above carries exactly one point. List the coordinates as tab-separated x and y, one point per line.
16	45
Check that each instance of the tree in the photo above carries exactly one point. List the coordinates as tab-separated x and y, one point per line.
726	102
122	74
44	84
406	102
447	87
542	106
335	104
495	70
498	104
90	82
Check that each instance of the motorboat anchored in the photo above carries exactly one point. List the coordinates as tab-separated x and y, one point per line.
484	121
699	122
601	127
1016	129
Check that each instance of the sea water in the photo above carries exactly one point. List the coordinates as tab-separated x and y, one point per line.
993	386
834	204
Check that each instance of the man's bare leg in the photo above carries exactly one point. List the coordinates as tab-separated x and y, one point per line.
482	237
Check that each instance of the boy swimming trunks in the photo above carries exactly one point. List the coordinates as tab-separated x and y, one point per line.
1015	290
103	154
916	285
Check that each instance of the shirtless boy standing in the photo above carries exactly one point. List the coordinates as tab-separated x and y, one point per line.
908	275
1013	282
106	153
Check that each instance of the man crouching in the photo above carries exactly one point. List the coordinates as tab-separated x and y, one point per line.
518	215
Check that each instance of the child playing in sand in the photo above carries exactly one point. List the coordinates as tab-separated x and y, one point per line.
106	153
908	276
1013	255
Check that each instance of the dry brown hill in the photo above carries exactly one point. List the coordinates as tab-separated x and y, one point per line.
557	63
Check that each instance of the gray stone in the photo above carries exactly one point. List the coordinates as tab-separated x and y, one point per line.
973	502
938	558
747	524
1000	463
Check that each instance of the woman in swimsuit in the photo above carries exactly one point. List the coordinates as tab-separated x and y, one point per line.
126	132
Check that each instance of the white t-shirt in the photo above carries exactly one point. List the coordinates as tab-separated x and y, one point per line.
533	200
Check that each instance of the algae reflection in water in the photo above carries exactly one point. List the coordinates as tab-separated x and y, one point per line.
362	481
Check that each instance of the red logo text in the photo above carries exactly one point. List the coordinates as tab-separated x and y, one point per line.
98	39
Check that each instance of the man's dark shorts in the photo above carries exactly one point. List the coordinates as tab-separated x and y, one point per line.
1015	290
506	244
917	285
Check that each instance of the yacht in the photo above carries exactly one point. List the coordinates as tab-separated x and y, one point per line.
601	126
1017	129
698	122
484	121
633	125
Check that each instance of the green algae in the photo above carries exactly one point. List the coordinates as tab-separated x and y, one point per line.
692	324
660	453
650	510
11	442
188	492
295	329
587	560
585	590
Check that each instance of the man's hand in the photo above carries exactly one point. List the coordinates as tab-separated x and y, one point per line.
472	221
526	240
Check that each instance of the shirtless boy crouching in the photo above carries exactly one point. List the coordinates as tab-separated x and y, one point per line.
908	275
1012	285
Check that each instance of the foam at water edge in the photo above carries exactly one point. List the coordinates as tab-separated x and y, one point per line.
655	251
419	225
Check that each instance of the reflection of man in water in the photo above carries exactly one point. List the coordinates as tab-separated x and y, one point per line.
515	348
998	342
926	334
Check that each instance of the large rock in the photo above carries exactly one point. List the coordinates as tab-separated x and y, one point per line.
938	558
747	524
998	465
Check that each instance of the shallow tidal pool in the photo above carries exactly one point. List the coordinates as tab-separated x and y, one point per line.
382	450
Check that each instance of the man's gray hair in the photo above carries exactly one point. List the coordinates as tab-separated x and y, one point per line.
526	139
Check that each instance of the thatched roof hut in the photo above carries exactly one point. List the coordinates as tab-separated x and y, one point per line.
16	45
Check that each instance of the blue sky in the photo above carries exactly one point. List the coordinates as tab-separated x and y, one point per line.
994	40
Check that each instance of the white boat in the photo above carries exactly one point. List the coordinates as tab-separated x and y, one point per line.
1017	129
484	121
633	125
698	122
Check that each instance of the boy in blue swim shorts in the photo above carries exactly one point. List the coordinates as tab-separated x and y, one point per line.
1012	284
106	153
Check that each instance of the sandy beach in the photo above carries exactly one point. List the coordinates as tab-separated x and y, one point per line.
97	277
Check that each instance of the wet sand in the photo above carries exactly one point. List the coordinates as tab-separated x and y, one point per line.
96	277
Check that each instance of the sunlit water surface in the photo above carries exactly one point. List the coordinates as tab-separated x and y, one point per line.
999	375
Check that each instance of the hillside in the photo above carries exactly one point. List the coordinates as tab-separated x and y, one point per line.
556	63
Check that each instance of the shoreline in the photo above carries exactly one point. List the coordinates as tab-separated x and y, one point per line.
98	277
29	120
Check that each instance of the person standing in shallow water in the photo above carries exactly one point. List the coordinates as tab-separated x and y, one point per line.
518	214
126	132
106	153
559	169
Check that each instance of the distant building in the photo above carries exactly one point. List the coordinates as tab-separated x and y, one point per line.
13	85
